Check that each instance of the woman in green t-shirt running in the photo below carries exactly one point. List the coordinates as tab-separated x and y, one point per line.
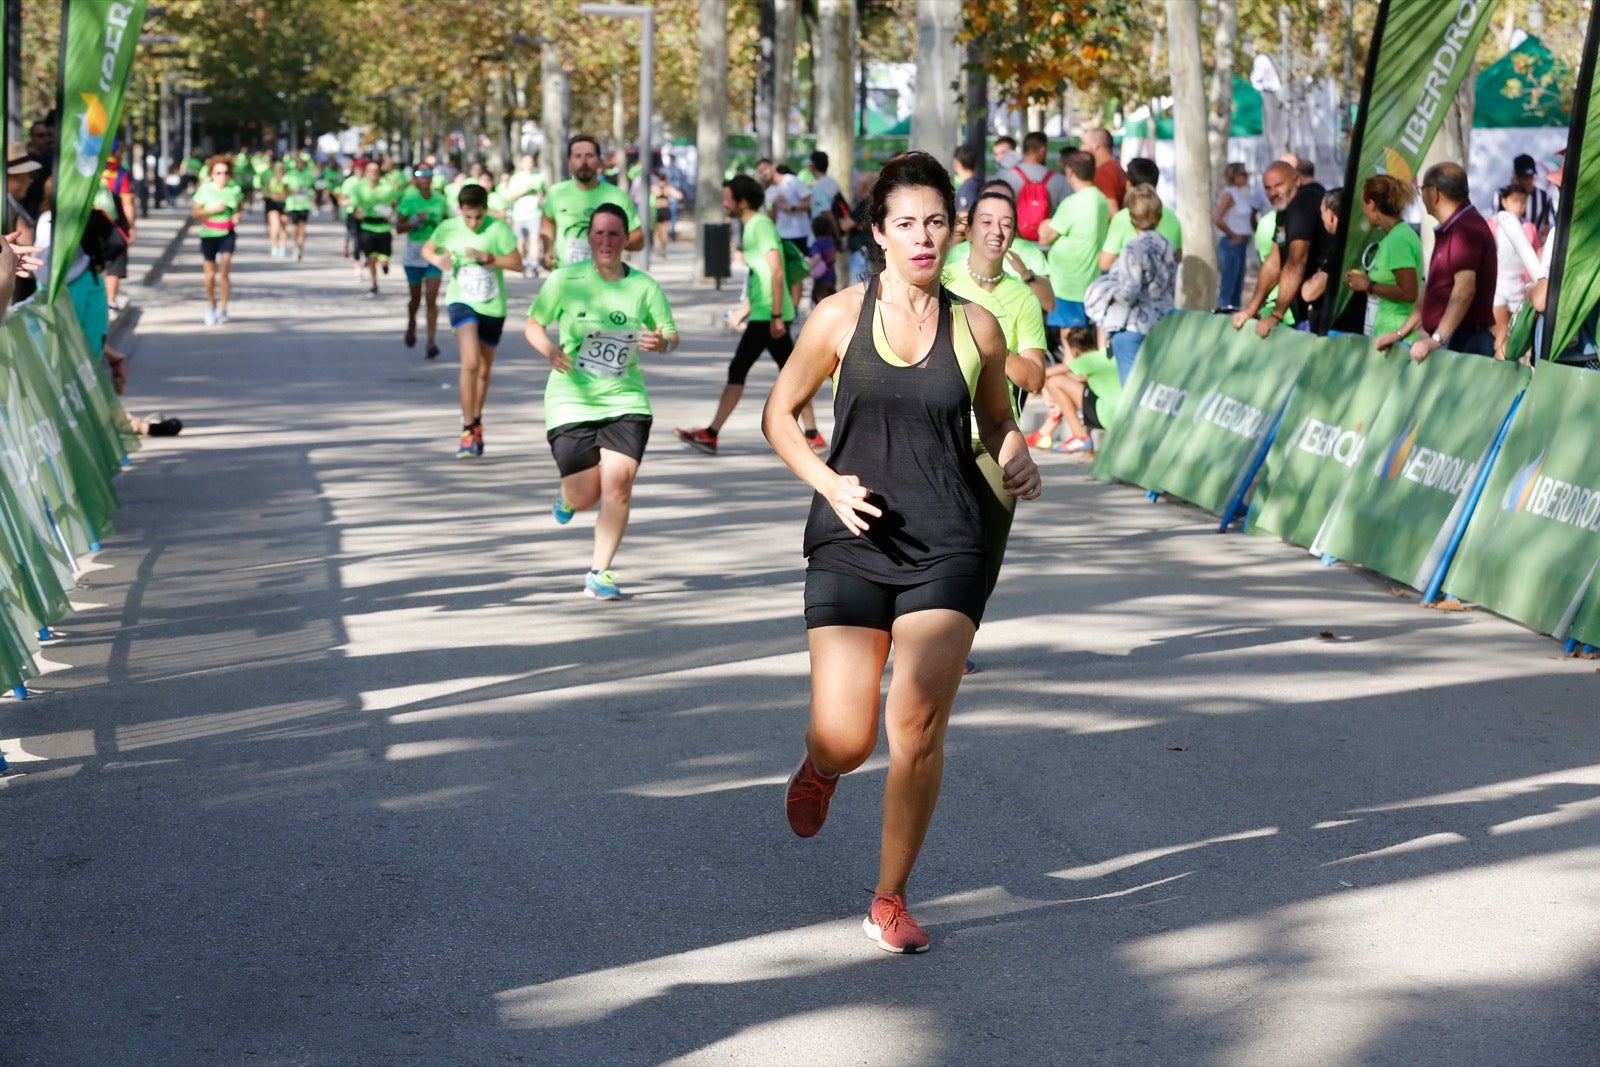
596	409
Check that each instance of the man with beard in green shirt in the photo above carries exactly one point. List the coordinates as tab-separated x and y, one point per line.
569	204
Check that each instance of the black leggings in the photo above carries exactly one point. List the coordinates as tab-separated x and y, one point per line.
758	338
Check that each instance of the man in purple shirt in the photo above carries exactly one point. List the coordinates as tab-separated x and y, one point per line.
1457	306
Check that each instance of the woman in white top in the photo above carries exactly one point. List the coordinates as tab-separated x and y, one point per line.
1235	220
1516	249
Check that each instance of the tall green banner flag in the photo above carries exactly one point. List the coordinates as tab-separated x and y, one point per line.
1421	49
1575	263
98	39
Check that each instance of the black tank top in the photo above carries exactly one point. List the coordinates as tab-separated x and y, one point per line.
905	431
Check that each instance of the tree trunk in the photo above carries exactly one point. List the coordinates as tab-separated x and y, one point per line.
978	107
494	121
766	76
835	75
1452	143
934	115
619	114
787	25
1197	277
553	114
1221	110
711	137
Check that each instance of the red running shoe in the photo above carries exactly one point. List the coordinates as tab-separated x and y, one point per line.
806	798
818	443
890	925
698	438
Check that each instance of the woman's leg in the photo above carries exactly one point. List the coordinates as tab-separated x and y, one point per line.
413	302
846	682
617	474
581	491
1071	399
930	650
224	261
211	282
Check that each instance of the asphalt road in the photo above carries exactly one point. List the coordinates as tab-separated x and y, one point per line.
341	768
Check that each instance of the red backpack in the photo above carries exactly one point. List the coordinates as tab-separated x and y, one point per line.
1033	204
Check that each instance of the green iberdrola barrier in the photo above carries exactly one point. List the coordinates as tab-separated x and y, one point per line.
1531	550
1403	501
61	429
1211	446
1199	405
1153	395
1324	435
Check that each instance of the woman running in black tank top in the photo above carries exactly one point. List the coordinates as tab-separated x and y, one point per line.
895	536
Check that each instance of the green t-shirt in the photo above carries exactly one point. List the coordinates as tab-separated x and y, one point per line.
480	287
1080	223
1121	231
394	183
275	186
1399	249
220	203
425	212
570	206
376	203
761	237
1101	372
1032	257
347	192
297	191
1012	303
599	323
1266	229
523	183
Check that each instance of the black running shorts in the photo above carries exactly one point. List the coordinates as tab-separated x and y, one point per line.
577	445
836	599
375	243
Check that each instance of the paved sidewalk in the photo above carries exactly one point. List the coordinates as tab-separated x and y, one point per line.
341	768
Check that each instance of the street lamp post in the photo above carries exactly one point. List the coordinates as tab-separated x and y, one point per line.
647	64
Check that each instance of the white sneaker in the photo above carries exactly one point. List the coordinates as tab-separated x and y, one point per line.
211	314
222	316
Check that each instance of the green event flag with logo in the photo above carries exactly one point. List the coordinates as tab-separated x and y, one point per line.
1404	500
1184	356
1531	549
1214	441
98	39
1420	52
1324	435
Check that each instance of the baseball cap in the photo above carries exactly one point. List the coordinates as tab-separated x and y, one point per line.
1523	166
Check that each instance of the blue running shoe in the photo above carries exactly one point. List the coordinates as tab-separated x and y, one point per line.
464	450
602	585
561	511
